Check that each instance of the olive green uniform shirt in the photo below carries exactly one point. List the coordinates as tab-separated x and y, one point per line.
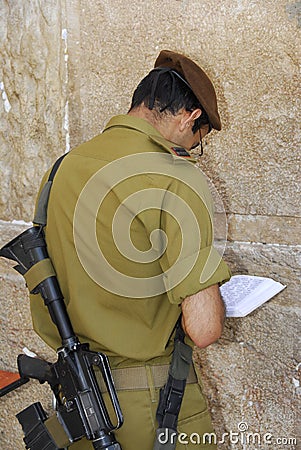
129	231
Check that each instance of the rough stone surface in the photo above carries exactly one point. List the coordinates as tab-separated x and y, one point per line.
67	67
265	229
252	374
33	81
252	52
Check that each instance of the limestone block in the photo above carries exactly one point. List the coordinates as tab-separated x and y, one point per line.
32	84
264	229
252	374
280	262
252	52
9	230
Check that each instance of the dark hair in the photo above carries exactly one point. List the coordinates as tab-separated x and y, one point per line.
164	90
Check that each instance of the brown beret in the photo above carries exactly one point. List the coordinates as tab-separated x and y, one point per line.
199	82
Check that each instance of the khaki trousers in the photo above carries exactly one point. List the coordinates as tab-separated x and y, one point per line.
138	431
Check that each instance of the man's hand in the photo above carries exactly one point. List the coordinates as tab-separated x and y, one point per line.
203	316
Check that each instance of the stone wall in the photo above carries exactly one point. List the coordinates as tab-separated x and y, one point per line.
67	66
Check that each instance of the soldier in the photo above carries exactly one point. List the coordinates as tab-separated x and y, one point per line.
129	231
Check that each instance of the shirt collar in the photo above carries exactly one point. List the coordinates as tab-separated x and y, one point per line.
138	124
127	121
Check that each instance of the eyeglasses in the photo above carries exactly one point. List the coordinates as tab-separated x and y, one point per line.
201	152
201	141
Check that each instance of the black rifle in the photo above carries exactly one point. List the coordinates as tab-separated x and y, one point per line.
80	407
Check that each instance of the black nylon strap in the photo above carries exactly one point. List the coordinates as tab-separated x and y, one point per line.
171	395
40	217
55	167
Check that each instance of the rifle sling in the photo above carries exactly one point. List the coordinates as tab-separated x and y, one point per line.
38	273
171	395
40	217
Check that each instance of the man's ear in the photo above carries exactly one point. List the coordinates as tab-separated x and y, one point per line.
189	117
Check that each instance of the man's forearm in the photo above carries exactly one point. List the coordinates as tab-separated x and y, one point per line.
203	316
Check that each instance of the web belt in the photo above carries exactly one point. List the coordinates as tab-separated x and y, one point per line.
142	377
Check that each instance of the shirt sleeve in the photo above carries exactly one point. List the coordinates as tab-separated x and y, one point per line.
190	262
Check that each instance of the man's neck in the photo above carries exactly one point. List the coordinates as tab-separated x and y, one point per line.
165	124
